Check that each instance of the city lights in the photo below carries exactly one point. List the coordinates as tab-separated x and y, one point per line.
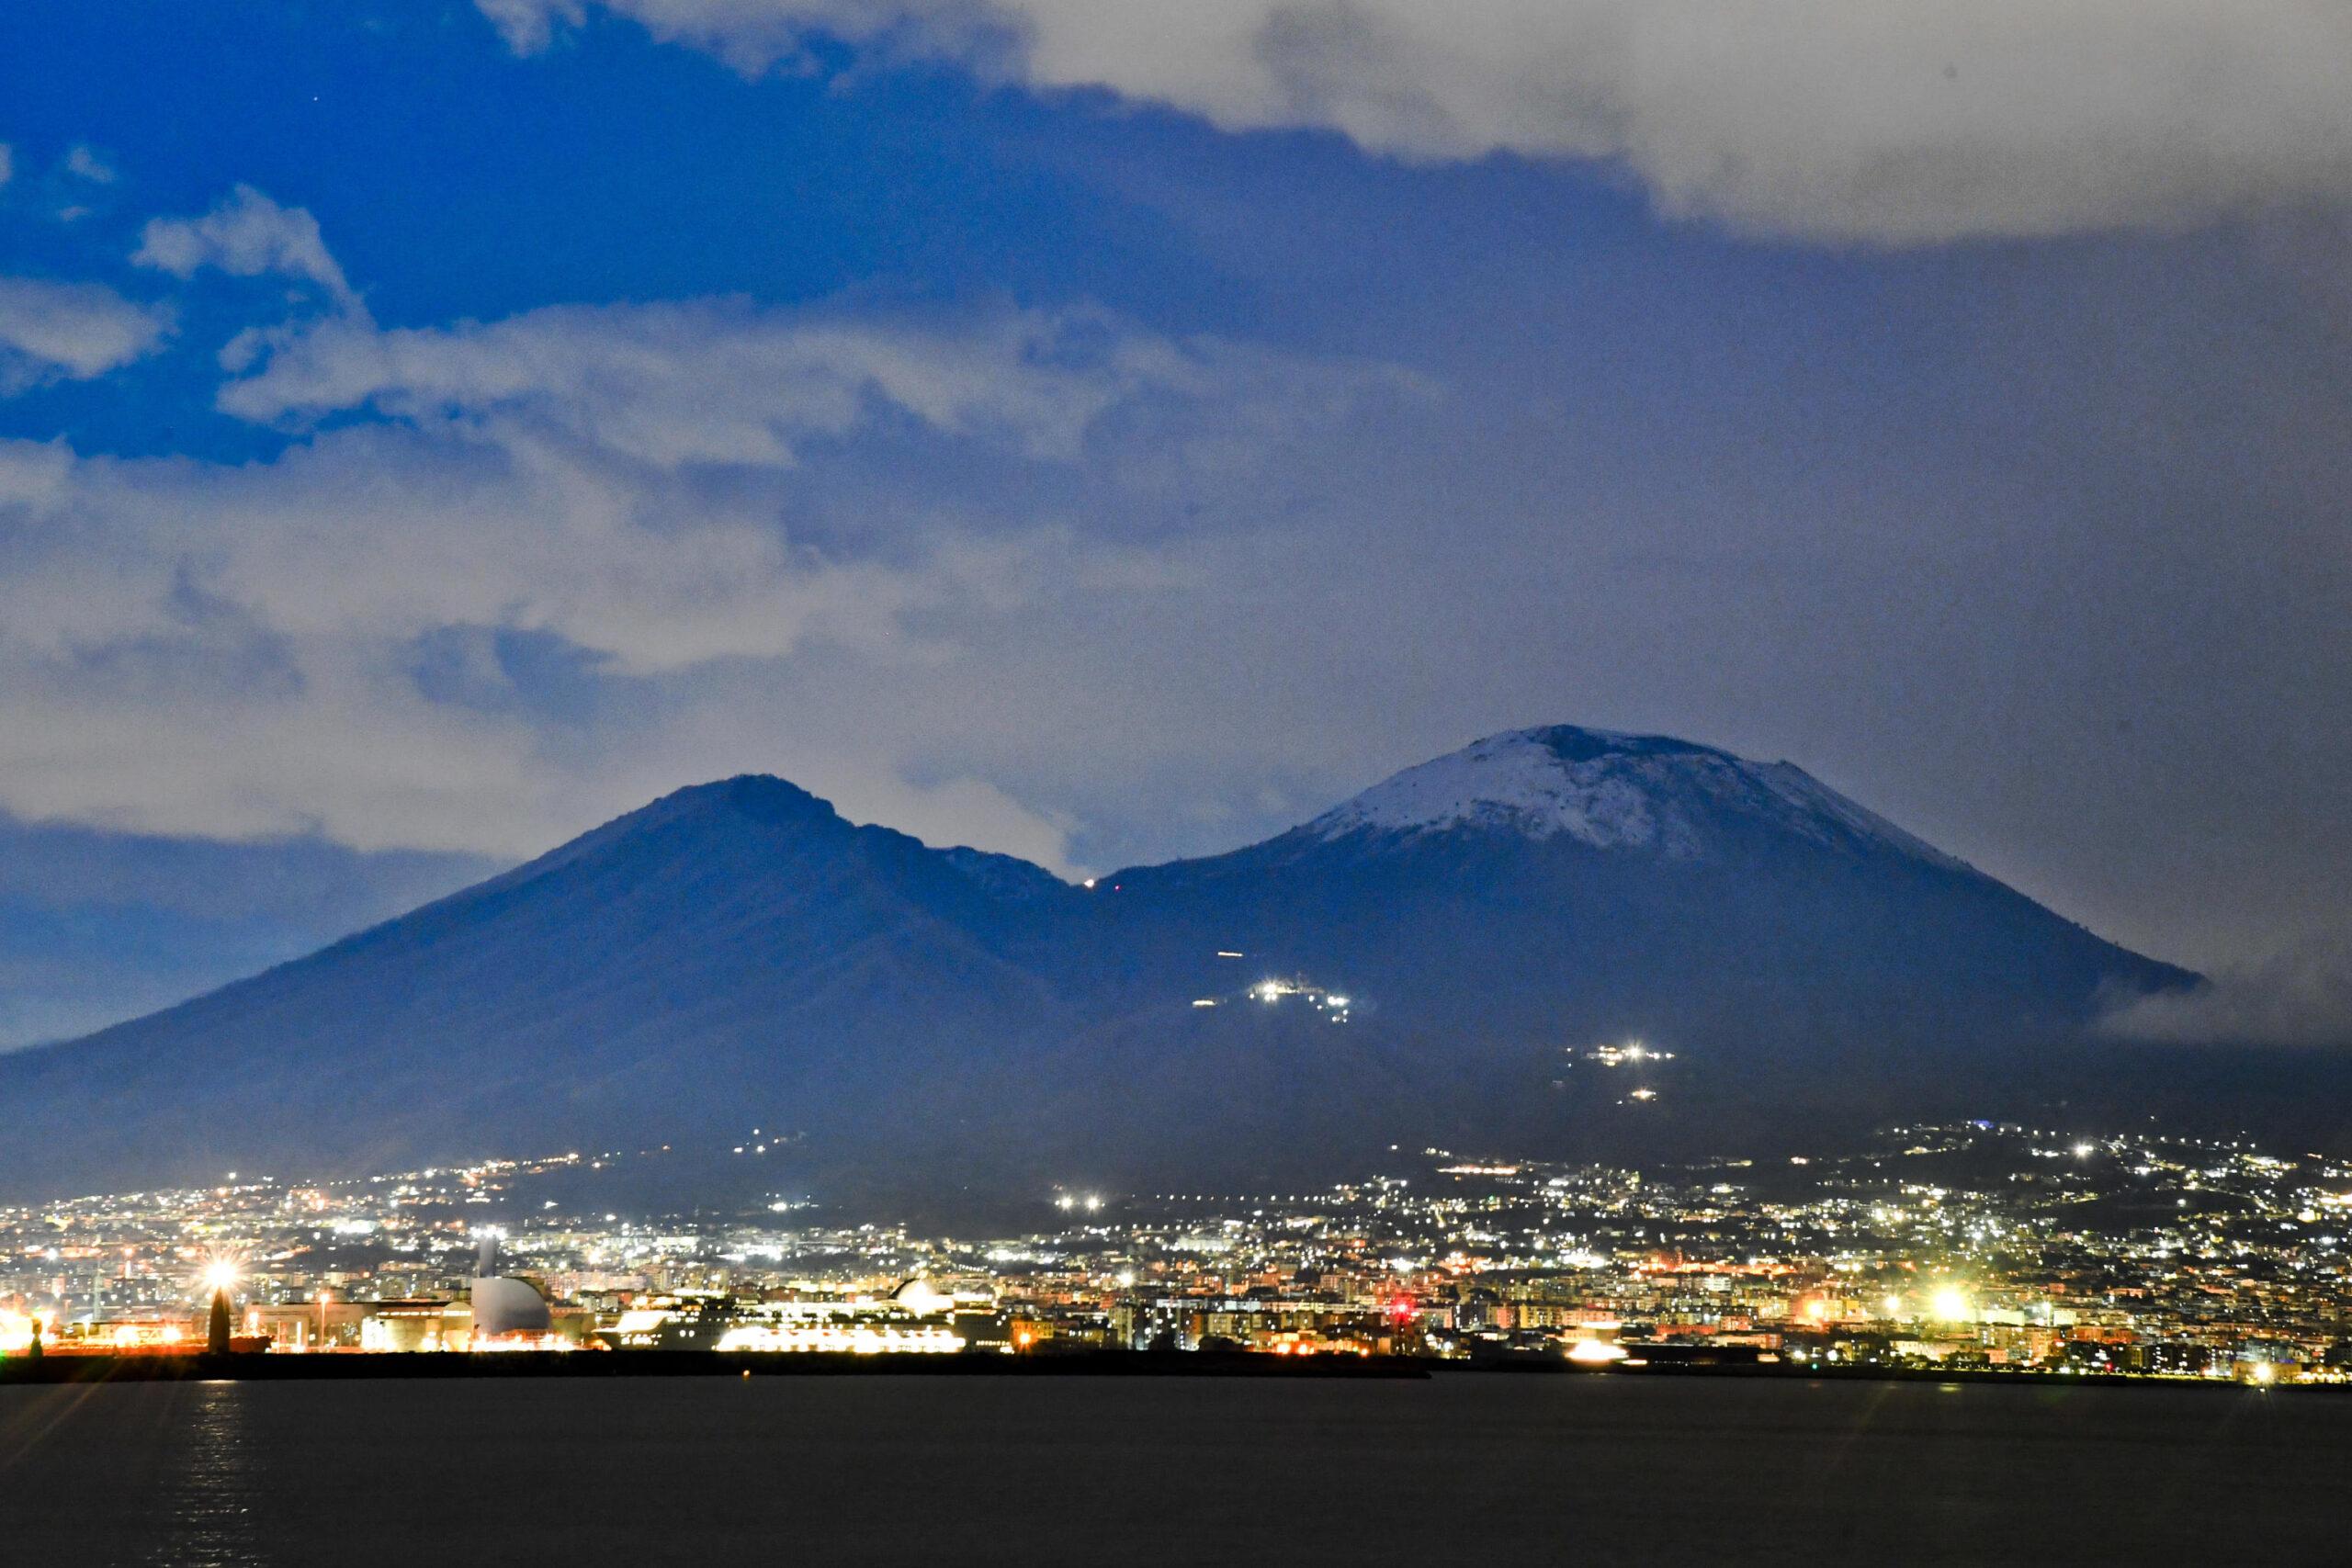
1334	1005
1959	1247
1633	1050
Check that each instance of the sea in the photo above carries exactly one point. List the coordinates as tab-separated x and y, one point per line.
957	1470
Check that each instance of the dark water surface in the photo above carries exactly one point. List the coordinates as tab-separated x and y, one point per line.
957	1471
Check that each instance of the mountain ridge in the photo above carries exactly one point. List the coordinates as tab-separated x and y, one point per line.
738	950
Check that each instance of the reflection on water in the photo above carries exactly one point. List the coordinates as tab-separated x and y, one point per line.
207	1502
1040	1471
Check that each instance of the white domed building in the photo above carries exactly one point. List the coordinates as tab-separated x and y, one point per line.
508	1314
504	1308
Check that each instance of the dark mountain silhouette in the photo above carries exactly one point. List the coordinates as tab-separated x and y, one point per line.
903	1022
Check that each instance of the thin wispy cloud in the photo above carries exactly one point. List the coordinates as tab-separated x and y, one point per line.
722	383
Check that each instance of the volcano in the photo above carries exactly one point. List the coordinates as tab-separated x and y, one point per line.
1458	956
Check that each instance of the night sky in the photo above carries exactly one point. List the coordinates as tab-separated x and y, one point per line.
1104	431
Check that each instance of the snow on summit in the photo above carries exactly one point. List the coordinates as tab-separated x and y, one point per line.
1614	791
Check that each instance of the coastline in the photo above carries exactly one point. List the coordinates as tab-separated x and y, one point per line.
81	1370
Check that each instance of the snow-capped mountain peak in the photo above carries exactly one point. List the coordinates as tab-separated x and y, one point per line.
1612	791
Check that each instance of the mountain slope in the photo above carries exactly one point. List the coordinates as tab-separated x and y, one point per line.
1578	882
912	1020
725	949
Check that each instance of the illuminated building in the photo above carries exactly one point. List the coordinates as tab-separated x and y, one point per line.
144	1337
911	1320
915	1318
330	1325
843	1336
417	1325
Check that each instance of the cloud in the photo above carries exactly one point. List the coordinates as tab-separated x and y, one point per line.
84	163
527	25
248	235
485	605
2300	997
722	383
1833	119
8	164
72	332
